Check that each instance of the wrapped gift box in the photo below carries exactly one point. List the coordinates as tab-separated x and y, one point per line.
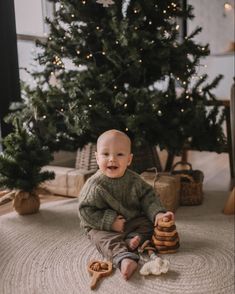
68	181
166	186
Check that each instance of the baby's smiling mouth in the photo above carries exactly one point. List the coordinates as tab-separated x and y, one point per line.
112	167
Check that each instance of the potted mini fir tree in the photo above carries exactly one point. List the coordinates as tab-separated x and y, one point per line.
20	169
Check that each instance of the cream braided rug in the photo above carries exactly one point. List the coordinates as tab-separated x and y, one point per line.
48	253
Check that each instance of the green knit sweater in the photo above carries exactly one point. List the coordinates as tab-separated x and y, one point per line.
103	198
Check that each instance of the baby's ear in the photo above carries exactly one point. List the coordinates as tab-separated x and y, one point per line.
130	158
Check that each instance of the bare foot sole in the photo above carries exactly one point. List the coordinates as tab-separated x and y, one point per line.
133	243
128	267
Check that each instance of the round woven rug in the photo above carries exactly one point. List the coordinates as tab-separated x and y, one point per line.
48	253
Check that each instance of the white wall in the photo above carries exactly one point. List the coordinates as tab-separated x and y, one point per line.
30	15
218	31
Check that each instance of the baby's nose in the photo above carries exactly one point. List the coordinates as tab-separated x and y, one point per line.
112	157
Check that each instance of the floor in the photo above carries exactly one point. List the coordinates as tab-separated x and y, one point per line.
214	166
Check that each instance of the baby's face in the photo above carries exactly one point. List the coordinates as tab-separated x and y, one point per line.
113	155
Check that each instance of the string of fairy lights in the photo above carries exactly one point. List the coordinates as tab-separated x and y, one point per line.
59	63
89	55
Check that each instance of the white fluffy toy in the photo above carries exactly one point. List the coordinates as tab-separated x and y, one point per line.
156	266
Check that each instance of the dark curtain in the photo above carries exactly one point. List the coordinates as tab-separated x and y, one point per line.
9	69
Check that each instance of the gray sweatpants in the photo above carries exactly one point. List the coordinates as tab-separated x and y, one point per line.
113	246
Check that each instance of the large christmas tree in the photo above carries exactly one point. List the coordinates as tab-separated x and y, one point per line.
122	64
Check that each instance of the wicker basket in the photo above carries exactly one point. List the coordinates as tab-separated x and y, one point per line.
144	157
86	158
191	192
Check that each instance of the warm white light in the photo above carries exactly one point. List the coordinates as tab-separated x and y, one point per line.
228	6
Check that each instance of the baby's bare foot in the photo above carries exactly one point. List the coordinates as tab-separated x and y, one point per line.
133	243
128	267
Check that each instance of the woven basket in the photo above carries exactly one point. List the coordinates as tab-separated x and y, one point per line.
144	158
191	192
86	158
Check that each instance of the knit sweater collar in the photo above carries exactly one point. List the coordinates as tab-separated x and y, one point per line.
109	180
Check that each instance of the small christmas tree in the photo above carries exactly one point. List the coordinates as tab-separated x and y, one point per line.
20	167
123	65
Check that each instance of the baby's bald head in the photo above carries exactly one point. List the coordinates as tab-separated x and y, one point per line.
112	135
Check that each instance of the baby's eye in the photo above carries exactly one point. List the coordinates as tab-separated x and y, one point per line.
120	154
105	154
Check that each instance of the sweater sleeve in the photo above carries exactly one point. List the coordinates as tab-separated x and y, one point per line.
94	212
150	201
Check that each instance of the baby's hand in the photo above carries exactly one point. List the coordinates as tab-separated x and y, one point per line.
118	224
167	216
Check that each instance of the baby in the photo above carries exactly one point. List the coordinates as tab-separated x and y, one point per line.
117	208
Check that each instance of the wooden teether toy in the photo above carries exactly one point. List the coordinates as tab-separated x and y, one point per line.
99	269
